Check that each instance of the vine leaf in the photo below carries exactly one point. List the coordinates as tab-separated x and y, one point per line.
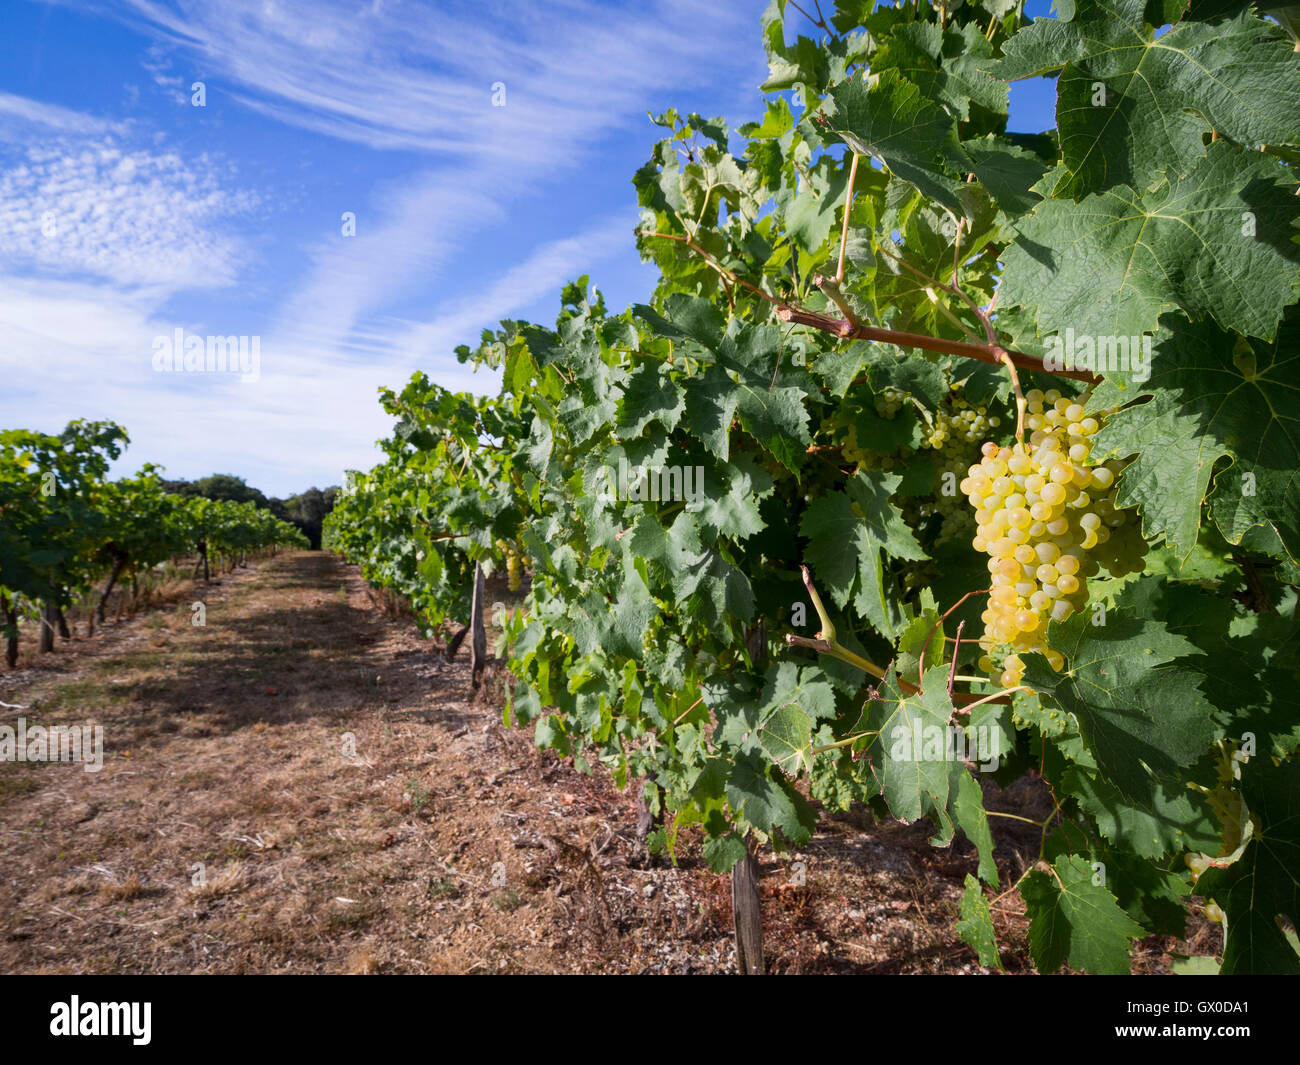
1008	172
968	811
1215	242
910	747
1261	885
891	121
1172	820
846	532
976	925
1076	921
1211	400
770	805
793	700
956	80
649	395
1129	103
1139	711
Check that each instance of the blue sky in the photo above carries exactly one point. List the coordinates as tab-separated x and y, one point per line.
127	213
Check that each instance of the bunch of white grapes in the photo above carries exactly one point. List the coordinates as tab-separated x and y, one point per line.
955	434
1046	517
514	563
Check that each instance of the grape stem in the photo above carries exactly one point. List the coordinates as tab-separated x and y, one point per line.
991	353
844	233
826	644
1020	396
956	647
847	741
920	662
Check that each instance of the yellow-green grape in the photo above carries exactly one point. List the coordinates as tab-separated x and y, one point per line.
1213	912
1046	516
955	433
514	563
889	401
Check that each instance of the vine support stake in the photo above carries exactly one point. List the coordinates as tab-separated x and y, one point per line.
49	618
747	914
478	633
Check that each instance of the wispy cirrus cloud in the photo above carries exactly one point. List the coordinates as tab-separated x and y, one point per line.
420	77
22	118
151	239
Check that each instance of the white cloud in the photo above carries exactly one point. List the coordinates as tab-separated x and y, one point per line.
419	76
541	274
79	201
21	118
77	350
416	77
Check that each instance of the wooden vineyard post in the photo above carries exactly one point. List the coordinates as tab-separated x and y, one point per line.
478	633
11	631
49	618
747	915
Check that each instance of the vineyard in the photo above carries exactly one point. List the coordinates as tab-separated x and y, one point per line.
941	453
942	494
70	534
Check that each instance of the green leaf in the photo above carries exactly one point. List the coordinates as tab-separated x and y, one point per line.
773	415
969	813
650	395
1140	713
909	752
1130	104
847	533
956	80
891	121
711	400
1008	172
976	925
1171	820
1216	242
1073	920
771	806
1261	885
809	218
793	700
724	852
1200	965
1212	399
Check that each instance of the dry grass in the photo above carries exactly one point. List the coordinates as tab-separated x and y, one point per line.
304	786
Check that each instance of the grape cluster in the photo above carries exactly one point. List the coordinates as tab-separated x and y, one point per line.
955	434
955	429
514	563
1047	518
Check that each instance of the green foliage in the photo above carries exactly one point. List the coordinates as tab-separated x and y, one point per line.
668	471
65	525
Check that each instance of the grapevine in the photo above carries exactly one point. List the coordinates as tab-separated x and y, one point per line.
875	289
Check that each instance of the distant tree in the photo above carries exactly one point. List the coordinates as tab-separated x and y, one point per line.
307	510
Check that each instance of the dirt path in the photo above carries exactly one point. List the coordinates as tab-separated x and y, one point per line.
302	785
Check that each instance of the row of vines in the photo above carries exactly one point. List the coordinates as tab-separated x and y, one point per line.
68	532
940	452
